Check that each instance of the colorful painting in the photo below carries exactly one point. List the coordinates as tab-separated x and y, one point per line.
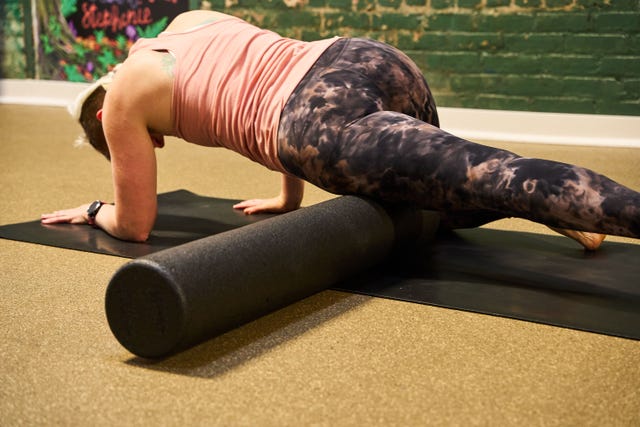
80	40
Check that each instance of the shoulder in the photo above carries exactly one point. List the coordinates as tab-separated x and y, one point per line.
135	80
146	73
142	89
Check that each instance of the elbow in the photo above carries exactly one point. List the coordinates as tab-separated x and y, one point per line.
133	234
139	237
132	228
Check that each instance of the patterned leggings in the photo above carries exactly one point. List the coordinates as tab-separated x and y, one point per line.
363	121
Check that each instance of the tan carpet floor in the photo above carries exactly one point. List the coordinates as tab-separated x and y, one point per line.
334	359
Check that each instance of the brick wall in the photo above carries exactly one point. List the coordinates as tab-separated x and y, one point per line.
577	56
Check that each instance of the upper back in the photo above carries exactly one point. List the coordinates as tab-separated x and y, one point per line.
231	81
148	75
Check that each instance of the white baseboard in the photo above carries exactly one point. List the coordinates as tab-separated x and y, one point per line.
542	128
39	92
472	124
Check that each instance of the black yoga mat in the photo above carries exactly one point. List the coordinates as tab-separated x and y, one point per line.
525	276
182	217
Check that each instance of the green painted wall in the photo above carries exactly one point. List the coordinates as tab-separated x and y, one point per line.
577	56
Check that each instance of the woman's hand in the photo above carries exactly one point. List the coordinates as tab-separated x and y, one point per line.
70	216
273	205
289	199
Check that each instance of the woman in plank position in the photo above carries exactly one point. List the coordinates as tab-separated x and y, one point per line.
352	116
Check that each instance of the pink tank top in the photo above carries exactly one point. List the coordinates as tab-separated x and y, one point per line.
232	81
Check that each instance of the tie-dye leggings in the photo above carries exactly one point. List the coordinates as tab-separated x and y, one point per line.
363	121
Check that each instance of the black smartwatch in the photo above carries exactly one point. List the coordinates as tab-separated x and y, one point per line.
93	210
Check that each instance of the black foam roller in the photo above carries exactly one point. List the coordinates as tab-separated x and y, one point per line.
176	298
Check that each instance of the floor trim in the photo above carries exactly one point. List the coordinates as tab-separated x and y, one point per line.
472	124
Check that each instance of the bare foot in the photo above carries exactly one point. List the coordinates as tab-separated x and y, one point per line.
590	241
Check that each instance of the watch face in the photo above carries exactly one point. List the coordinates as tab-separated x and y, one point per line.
93	208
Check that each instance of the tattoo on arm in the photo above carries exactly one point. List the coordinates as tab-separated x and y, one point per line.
168	62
